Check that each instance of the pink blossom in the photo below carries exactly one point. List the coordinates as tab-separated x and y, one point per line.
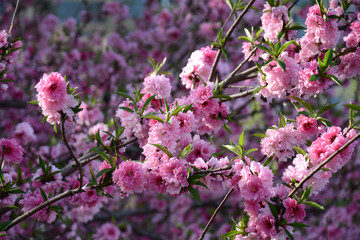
272	21
3	38
129	177
175	174
294	210
158	85
33	199
247	47
107	231
198	67
308	127
279	83
13	152
24	133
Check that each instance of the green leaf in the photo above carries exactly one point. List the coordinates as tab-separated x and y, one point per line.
256	91
297	224
104	156
268	161
306	194
285	46
328	57
127	109
43	194
299	150
176	111
305	104
15	190
42	164
314	204
314	77
241	138
194	193
260	135
6	80
227	128
225	52
335	79
288	233
325	108
164	149
102	172
250	151
126	96
231	234
3	225
273	210
55	128
233	149
151	116
264	49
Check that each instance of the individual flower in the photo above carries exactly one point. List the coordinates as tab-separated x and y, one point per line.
53	98
13	152
107	231
158	85
129	177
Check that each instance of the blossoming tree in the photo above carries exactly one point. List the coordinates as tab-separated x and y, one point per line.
199	120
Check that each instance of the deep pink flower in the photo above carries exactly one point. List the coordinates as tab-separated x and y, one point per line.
294	211
129	177
13	152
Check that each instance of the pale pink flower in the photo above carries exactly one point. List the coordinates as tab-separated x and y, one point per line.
247	47
24	133
107	231
158	85
129	177
174	173
273	21
3	38
13	152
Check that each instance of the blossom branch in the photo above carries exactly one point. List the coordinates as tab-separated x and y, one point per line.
227	36
320	166
87	158
215	213
73	156
240	94
45	204
212	170
247	74
13	17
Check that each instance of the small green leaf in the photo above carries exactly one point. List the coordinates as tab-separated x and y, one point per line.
227	128
299	150
126	96
241	139
127	109
288	233
6	80
232	233
325	108
273	210
314	204
3	225
164	149
314	77
194	193
55	128
264	49
268	161
151	116
102	172
260	135
306	194
328	57
305	104
43	194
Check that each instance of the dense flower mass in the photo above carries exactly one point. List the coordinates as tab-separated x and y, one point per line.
148	149
53	98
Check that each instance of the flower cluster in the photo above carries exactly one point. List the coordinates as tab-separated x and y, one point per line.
53	97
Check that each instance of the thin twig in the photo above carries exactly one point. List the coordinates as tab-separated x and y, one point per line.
87	158
242	63
73	156
215	213
227	36
41	206
247	74
292	5
212	170
239	95
13	18
320	166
